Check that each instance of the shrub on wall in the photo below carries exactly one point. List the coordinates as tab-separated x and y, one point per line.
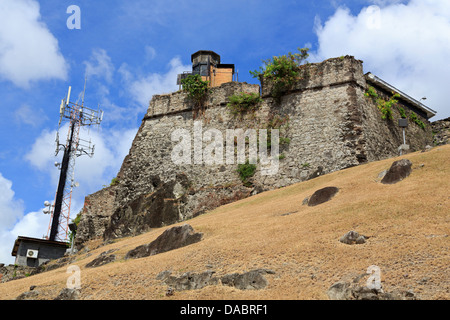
282	71
246	171
243	102
197	90
385	106
414	118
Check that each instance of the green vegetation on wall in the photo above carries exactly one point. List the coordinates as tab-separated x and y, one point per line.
244	102
385	106
282	71
197	91
246	171
76	221
402	112
414	118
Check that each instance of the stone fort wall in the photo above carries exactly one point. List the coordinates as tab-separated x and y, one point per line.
325	121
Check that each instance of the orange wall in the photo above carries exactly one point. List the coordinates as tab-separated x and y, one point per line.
223	75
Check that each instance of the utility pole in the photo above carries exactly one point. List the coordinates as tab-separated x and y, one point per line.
78	116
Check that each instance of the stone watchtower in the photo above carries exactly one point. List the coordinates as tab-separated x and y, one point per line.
207	64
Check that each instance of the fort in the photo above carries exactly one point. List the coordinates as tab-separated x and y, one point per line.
328	120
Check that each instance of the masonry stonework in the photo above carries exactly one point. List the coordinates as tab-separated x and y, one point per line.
325	120
96	214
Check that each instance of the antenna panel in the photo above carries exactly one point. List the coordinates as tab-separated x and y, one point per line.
68	95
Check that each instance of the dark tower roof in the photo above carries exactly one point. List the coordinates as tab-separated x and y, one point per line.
214	55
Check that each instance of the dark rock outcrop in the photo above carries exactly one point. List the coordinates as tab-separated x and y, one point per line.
441	131
352	291
251	280
153	210
173	238
102	259
68	294
322	195
28	295
191	281
398	171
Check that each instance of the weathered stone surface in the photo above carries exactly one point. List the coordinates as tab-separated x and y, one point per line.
102	259
441	131
170	239
95	215
68	294
252	280
351	291
191	281
322	195
398	171
29	295
14	272
353	237
153	210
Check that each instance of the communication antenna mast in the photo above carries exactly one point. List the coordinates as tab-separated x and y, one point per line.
78	116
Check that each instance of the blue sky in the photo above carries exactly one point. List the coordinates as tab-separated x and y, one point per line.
133	49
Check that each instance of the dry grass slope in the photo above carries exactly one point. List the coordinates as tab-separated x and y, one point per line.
408	225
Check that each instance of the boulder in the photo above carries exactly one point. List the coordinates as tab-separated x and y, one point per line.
173	238
398	171
353	237
68	294
321	196
350	291
29	295
252	280
102	259
191	281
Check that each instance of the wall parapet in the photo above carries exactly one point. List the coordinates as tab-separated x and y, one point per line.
177	102
331	72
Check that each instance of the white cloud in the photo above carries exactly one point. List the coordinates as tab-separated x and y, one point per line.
100	65
33	224
111	147
43	149
150	53
142	88
13	222
28	51
406	45
30	116
11	209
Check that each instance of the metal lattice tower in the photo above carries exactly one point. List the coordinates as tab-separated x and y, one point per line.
78	116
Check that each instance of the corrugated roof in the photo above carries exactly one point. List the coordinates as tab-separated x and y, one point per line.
371	78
